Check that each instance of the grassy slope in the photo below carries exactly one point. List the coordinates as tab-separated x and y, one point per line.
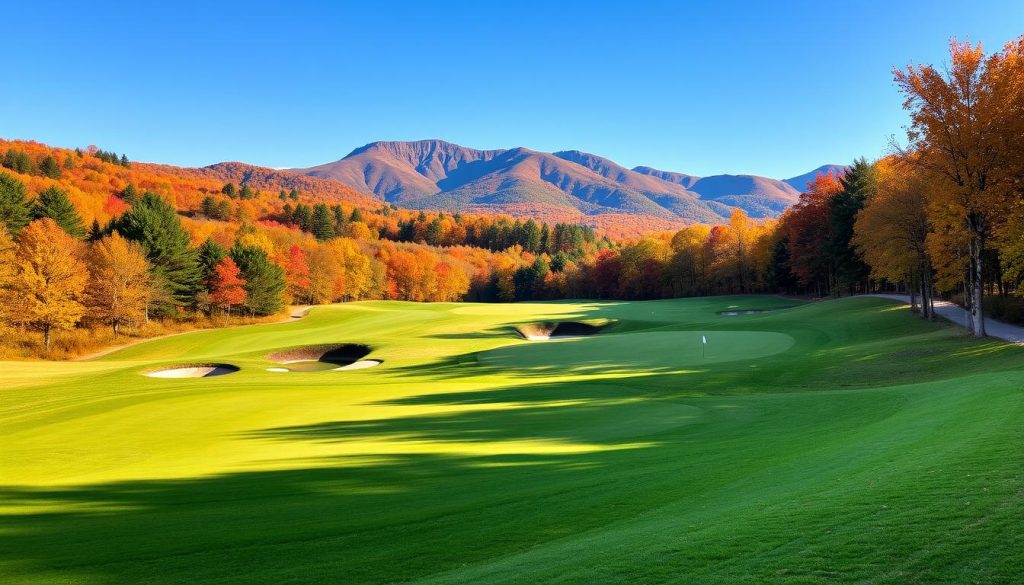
843	441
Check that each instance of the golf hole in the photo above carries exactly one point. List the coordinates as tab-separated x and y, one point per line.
193	371
317	358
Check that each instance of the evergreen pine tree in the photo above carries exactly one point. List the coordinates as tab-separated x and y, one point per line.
340	219
155	225
95	231
129	194
264	280
54	204
49	167
434	233
15	211
858	183
322	225
303	217
210	254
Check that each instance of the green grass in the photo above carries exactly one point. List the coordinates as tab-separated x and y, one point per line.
843	441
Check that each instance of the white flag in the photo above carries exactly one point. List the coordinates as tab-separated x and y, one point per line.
704	339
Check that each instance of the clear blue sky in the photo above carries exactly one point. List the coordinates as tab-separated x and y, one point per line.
772	88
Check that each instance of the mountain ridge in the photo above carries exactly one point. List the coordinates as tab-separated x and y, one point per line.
437	174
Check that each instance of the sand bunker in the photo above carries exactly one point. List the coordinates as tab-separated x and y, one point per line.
316	358
193	371
557	330
361	365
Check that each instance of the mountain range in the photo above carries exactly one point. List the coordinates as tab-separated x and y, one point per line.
434	174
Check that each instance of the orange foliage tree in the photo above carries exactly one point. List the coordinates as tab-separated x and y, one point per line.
966	131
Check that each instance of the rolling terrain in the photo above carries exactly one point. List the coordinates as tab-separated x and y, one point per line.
434	174
842	441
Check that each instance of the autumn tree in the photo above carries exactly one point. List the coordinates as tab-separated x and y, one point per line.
15	211
452	283
54	204
353	272
8	270
296	274
641	266
47	289
741	241
227	287
119	282
967	139
892	230
808	232
688	264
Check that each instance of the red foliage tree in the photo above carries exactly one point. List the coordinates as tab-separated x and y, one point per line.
808	229
227	288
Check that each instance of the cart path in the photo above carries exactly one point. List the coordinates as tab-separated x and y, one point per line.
958	315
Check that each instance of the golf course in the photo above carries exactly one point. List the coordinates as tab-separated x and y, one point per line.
838	441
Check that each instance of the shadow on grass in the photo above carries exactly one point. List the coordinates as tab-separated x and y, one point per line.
376	516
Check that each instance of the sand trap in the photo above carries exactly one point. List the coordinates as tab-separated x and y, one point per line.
557	330
193	371
317	358
737	312
360	365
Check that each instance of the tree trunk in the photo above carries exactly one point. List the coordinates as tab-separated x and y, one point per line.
117	327
929	289
912	289
46	338
925	312
977	286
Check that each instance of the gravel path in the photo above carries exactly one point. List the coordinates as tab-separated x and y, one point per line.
958	315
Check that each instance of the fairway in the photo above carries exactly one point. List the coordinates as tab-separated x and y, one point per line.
843	441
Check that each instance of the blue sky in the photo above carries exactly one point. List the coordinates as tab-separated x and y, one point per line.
771	88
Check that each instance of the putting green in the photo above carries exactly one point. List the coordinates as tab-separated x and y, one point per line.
842	441
645	353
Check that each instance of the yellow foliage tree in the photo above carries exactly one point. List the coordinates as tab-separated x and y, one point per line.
8	270
119	282
892	230
48	288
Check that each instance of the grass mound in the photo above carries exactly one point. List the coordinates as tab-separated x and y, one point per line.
310	358
192	371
